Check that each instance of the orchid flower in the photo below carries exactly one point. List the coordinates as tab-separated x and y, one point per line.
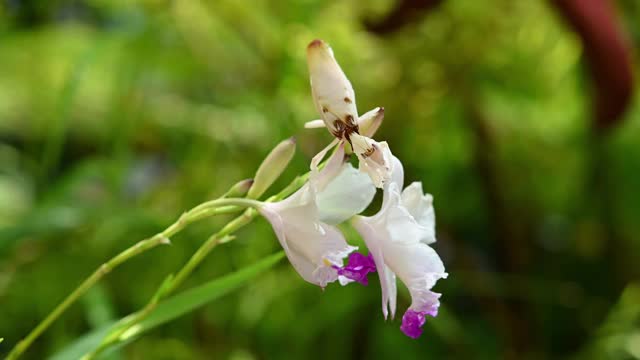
398	237
335	100
305	222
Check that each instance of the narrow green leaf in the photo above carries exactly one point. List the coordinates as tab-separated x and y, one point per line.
171	308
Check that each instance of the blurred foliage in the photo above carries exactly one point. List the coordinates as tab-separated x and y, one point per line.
171	308
115	116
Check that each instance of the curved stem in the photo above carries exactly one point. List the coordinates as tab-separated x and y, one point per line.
209	208
222	236
104	269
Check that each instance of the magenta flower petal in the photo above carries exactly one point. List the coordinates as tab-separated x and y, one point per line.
412	323
358	268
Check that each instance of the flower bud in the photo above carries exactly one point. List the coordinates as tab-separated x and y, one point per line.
272	167
332	92
240	188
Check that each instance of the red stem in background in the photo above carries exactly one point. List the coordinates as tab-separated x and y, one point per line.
605	48
608	55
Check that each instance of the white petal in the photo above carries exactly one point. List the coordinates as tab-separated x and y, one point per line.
409	214
392	289
396	180
397	171
420	206
399	223
375	158
314	124
315	162
304	266
361	144
414	262
319	179
370	121
311	246
375	242
403	228
419	268
345	196
398	244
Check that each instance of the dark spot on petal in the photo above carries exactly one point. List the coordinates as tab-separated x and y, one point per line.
369	152
324	109
347	100
350	129
349	119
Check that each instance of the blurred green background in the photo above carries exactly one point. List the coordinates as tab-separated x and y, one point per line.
116	116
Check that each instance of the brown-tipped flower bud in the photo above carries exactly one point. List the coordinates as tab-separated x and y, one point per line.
240	189
332	92
271	168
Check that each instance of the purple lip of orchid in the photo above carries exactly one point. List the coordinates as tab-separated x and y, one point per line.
412	322
358	268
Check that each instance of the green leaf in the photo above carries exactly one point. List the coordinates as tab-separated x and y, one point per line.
171	308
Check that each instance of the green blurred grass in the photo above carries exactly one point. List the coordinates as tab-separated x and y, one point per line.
117	116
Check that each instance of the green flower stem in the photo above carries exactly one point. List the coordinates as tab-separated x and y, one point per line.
223	236
292	187
210	208
104	269
204	210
